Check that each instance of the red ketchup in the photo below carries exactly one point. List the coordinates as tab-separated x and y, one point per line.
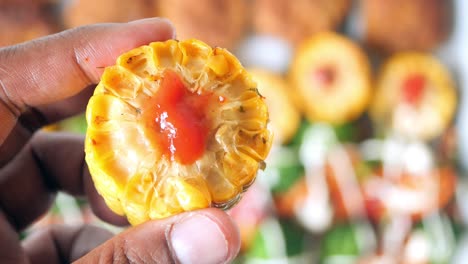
178	118
413	88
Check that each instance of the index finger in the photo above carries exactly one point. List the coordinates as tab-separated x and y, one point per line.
59	66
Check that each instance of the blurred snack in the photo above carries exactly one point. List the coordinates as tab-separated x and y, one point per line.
331	75
297	20
29	2
218	23
345	172
23	21
284	116
415	96
288	202
83	12
398	25
447	146
408	194
175	126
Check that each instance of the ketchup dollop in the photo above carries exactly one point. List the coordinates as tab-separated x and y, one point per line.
178	118
413	87
325	76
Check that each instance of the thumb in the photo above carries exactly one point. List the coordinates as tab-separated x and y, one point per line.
203	236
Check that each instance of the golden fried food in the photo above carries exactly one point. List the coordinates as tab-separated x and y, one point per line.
415	97
298	20
399	25
331	75
84	12
218	23
175	126
285	117
20	22
409	194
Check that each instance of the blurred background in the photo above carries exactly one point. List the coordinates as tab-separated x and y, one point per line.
368	105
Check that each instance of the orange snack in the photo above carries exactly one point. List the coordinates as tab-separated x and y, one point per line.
296	21
172	127
331	75
218	23
399	25
285	117
83	12
415	96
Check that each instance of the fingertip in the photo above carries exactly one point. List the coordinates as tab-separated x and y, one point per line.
210	233
98	205
163	24
202	236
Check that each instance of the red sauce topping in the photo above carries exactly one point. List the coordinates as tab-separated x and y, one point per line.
325	76
178	118
413	88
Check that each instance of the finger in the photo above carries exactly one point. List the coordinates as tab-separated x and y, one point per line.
49	162
34	118
13	143
63	244
98	205
204	236
56	67
10	250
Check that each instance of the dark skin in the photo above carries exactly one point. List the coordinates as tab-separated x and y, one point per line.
45	81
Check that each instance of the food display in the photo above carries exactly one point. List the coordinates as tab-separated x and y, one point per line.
83	12
332	78
415	96
21	21
402	25
363	137
284	115
296	21
218	23
175	126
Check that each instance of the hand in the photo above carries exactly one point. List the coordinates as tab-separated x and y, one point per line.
49	79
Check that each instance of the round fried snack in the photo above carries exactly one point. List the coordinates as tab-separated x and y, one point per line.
331	75
285	117
415	96
84	12
400	25
218	23
297	20
175	126
21	22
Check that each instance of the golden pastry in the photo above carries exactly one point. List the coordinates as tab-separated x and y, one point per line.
172	127
399	25
20	22
415	96
297	20
218	23
285	117
84	12
331	76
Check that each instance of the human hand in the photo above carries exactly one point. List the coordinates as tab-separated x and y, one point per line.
47	80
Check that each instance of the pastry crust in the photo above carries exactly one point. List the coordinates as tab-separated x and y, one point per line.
83	12
298	20
218	23
331	75
21	22
133	172
401	25
434	111
284	115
